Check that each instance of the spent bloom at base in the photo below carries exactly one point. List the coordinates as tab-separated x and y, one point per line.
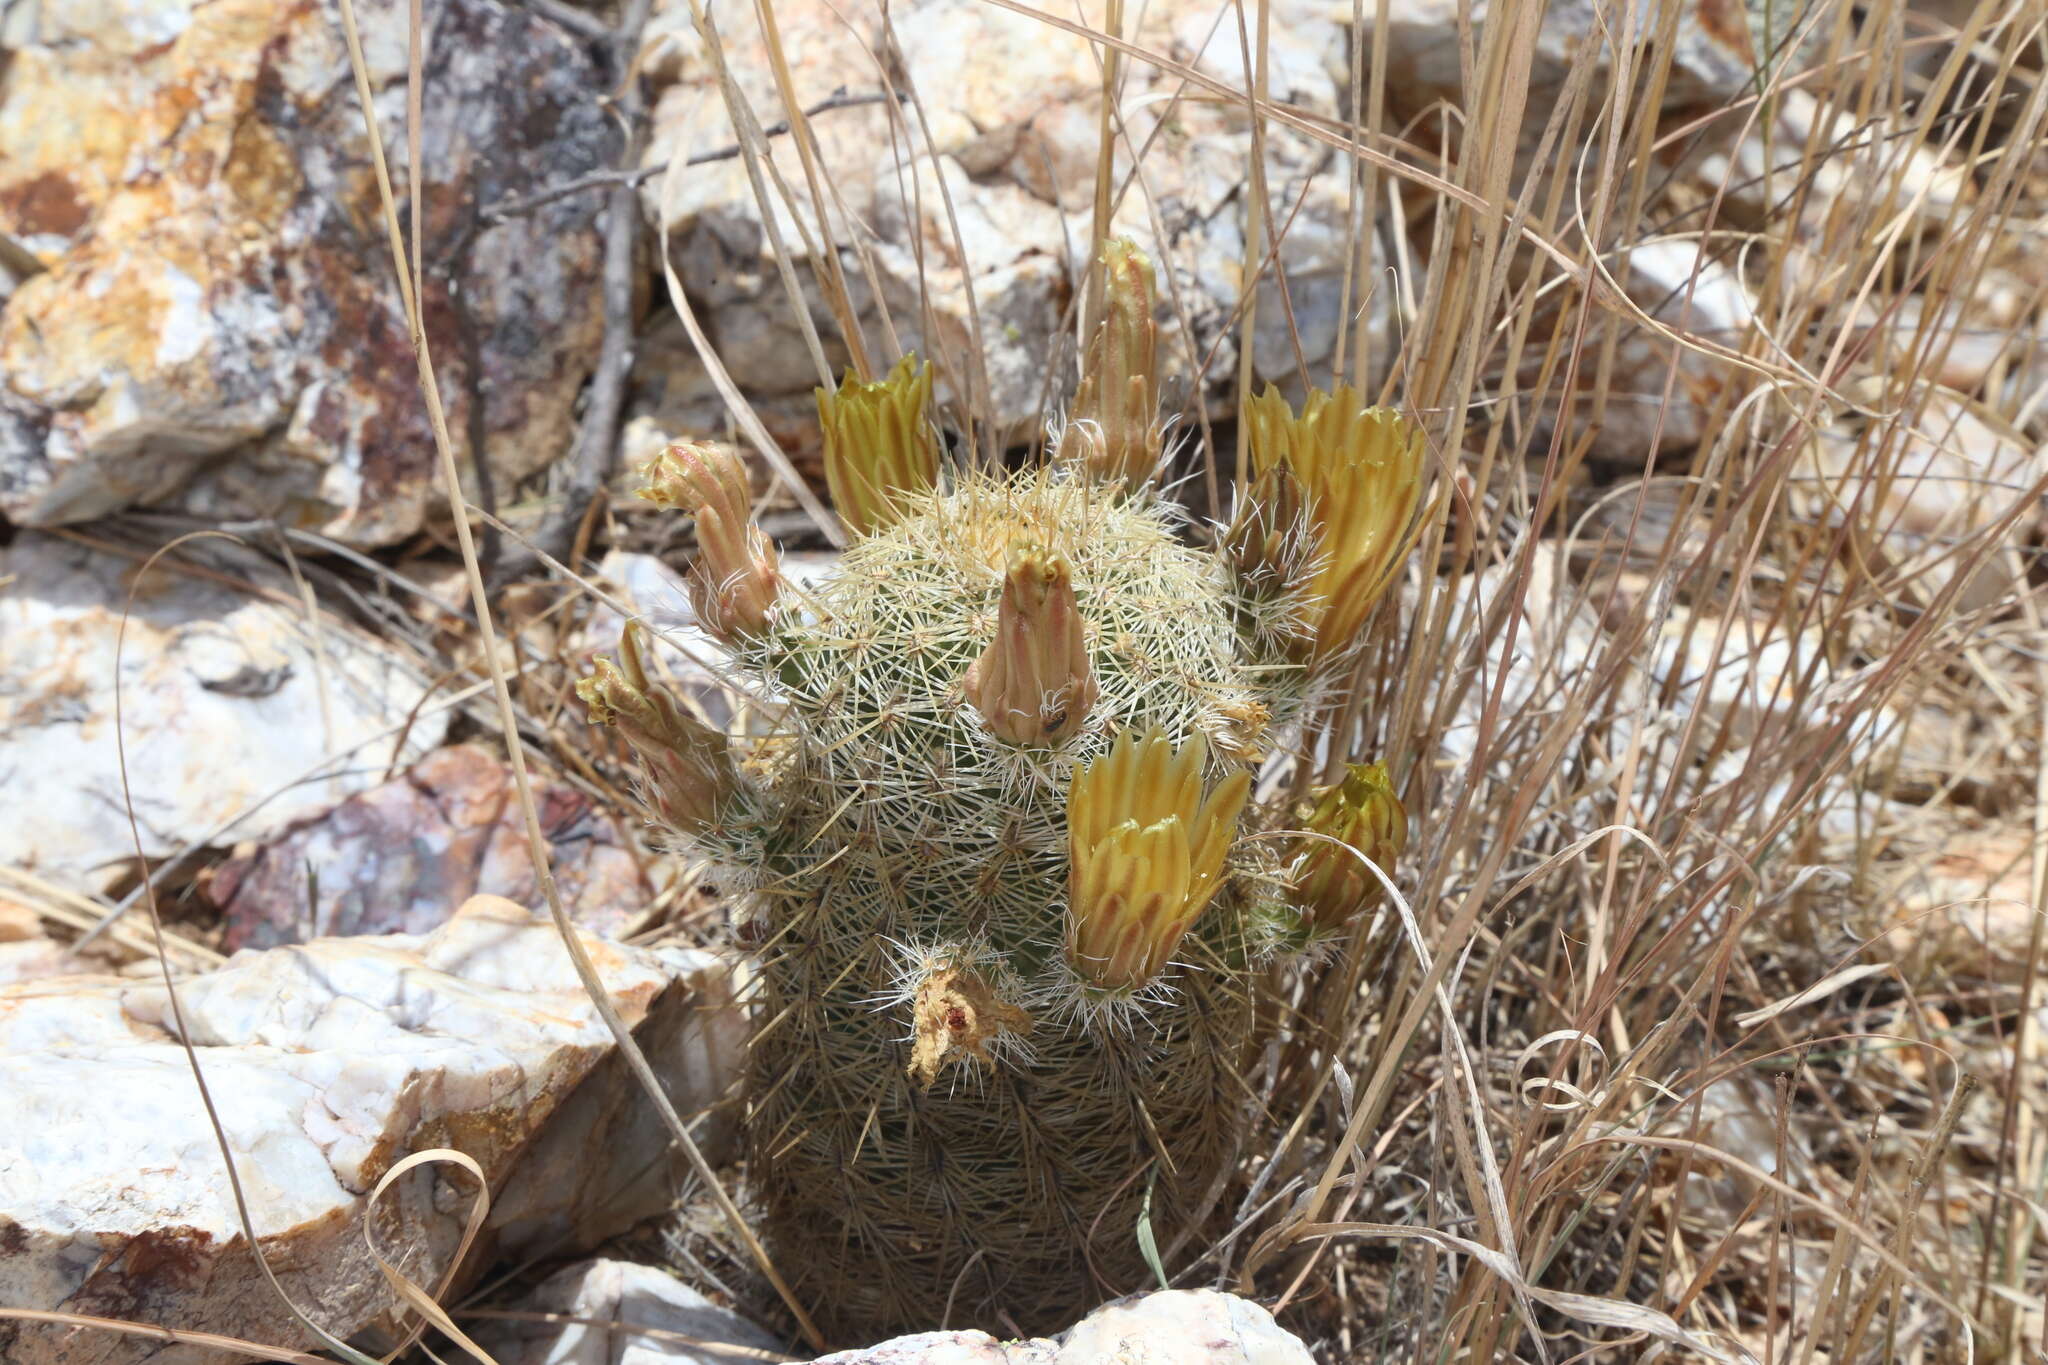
1114	430
689	772
1360	470
878	444
736	578
1033	684
1147	850
1365	816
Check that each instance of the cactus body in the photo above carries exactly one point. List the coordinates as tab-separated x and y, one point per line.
944	1111
990	844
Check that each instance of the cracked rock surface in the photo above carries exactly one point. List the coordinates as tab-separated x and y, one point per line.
239	715
206	315
328	1064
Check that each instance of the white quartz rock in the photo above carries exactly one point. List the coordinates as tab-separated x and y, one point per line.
1180	1327
1173	1327
328	1063
230	703
688	1328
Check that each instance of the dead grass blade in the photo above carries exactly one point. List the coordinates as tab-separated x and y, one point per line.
428	1306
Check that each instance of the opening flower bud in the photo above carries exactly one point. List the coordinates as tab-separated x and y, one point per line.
1274	553
878	444
1360	470
1114	432
1365	816
689	772
1147	851
736	579
1033	684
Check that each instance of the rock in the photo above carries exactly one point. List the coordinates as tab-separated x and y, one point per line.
998	203
717	239
328	1063
558	1201
231	701
1689	294
698	1331
1557	640
1737	1118
1884	169
1743	677
33	959
395	858
673	399
1714	55
1953	344
947	1348
1172	1327
1924	476
1967	908
206	274
1181	1327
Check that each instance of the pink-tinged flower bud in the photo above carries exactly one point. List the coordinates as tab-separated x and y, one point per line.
688	769
735	581
1360	470
1147	851
880	450
1033	684
1114	432
1362	813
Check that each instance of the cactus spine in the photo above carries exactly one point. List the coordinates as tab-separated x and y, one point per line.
993	854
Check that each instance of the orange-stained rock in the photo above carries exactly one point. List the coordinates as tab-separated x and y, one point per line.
187	190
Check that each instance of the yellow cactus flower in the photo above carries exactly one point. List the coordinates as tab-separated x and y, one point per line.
1115	432
689	770
1146	851
1360	470
1033	684
1363	813
878	444
736	578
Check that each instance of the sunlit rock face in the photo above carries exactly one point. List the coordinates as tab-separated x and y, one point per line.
328	1063
206	312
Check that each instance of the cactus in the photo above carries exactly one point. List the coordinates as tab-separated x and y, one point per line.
992	849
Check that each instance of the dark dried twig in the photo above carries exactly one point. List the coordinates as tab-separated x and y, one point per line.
571	18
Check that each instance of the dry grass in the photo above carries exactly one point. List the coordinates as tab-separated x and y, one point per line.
1666	735
1680	1038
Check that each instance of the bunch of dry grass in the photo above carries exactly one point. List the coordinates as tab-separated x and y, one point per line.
1636	1057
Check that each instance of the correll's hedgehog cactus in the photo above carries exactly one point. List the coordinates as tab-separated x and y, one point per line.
992	846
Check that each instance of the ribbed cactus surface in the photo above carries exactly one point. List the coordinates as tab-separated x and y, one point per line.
944	1108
